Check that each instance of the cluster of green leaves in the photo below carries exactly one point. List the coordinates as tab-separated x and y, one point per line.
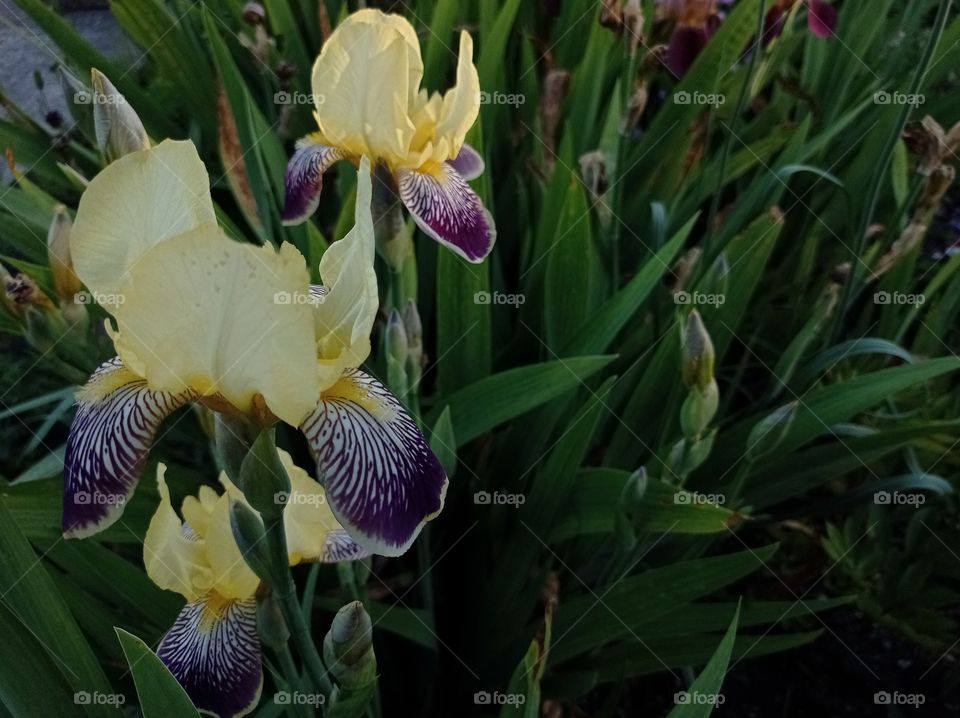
571	395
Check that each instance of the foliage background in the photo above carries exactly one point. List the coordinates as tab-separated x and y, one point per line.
784	200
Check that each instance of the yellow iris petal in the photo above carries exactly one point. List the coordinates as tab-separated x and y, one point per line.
174	561
136	202
344	318
203	312
231	576
364	80
461	104
307	519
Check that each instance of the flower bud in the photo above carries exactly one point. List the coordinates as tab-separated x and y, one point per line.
698	409
348	646
254	14
65	279
116	124
249	535
396	338
263	477
414	327
270	624
389	228
697	353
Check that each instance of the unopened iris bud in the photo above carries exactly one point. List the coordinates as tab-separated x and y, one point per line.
414	327
249	535
65	279
254	13
698	409
697	353
117	126
348	646
263	480
397	346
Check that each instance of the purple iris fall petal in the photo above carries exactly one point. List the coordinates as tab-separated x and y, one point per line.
773	25
822	18
107	448
444	206
685	45
382	481
303	179
468	164
213	651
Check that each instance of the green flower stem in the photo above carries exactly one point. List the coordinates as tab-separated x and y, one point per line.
286	592
292	676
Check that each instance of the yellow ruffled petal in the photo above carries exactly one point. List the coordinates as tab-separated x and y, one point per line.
174	561
136	202
232	578
461	104
307	519
220	317
196	511
365	81
344	318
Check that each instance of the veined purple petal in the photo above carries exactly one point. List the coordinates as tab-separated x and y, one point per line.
822	18
213	651
108	444
382	480
304	179
340	546
444	206
468	164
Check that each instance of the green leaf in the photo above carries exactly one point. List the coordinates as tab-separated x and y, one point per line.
708	683
160	694
481	406
31	597
636	601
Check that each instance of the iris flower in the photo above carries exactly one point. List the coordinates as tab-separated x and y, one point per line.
696	21
212	648
822	18
368	99
239	329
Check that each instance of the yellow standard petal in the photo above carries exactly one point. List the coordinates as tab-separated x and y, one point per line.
221	318
307	519
344	317
172	559
232	578
461	104
136	202
364	83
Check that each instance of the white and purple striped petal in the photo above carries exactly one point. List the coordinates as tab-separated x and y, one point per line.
108	444
304	179
339	546
213	651
445	207
382	481
468	164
